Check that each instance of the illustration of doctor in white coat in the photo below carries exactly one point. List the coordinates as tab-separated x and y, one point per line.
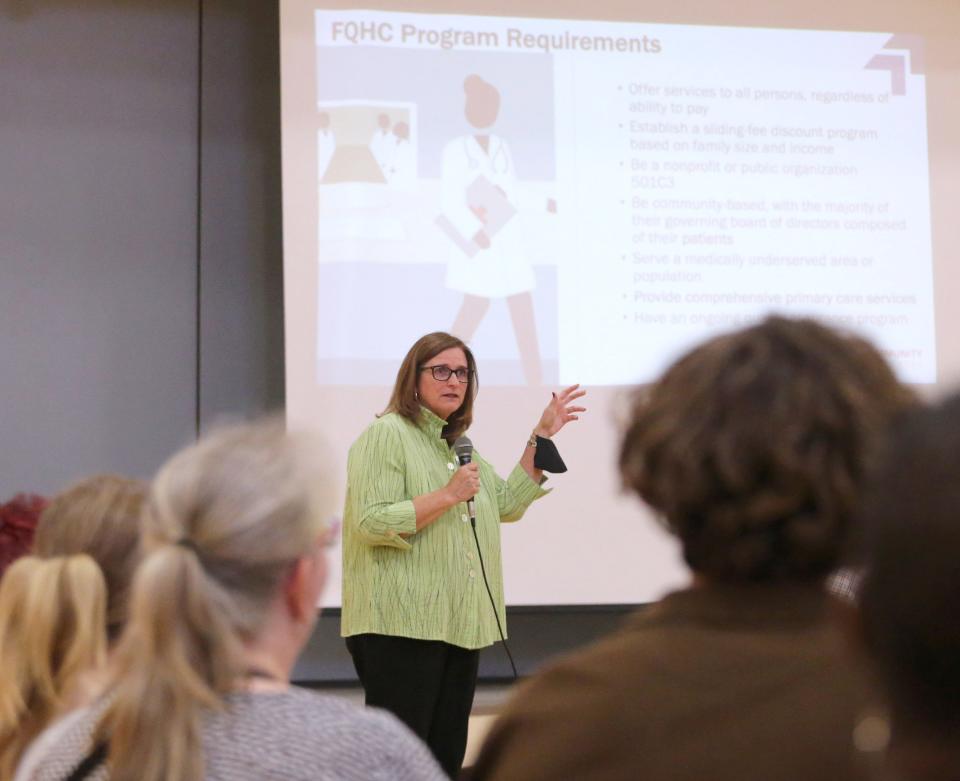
495	264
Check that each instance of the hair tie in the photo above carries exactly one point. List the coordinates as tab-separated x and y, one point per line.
186	542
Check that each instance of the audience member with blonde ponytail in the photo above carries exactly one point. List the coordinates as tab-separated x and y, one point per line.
233	544
51	633
99	516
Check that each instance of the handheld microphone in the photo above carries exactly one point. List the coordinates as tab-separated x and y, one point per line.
463	447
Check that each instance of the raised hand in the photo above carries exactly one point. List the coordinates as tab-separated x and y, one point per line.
560	411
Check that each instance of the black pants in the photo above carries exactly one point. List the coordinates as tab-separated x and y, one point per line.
427	684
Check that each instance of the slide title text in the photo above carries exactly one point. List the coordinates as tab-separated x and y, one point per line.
509	38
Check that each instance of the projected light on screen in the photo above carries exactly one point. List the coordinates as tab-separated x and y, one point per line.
585	200
634	184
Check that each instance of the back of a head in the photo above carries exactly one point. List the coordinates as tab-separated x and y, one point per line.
752	447
99	516
225	520
51	632
911	590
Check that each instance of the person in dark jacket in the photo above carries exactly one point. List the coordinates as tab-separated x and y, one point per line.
752	449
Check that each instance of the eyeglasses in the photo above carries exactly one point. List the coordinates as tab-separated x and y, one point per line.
442	373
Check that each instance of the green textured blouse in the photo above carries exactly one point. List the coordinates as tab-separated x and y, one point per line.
427	585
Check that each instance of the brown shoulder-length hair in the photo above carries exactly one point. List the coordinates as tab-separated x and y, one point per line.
406	402
753	447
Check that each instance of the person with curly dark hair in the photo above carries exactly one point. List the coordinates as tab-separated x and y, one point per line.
752	450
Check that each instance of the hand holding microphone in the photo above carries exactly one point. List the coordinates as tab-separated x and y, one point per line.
465	483
463	447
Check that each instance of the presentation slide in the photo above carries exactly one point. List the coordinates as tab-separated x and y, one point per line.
582	201
635	184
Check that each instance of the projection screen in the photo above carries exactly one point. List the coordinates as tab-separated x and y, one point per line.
646	177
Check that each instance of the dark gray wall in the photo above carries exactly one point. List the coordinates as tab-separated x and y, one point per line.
535	635
241	242
140	230
98	156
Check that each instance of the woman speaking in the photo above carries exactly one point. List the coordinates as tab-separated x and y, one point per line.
416	609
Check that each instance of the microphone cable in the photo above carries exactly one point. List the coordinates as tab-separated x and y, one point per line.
463	448
493	604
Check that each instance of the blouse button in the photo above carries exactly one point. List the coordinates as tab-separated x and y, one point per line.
450	466
464	517
473	573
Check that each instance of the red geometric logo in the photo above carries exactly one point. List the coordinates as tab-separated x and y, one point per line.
897	63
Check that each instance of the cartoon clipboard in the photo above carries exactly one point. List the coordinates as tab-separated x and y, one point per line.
481	195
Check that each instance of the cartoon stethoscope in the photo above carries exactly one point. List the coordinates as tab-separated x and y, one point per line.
500	154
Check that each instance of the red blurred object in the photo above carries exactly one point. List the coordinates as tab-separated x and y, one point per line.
18	522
